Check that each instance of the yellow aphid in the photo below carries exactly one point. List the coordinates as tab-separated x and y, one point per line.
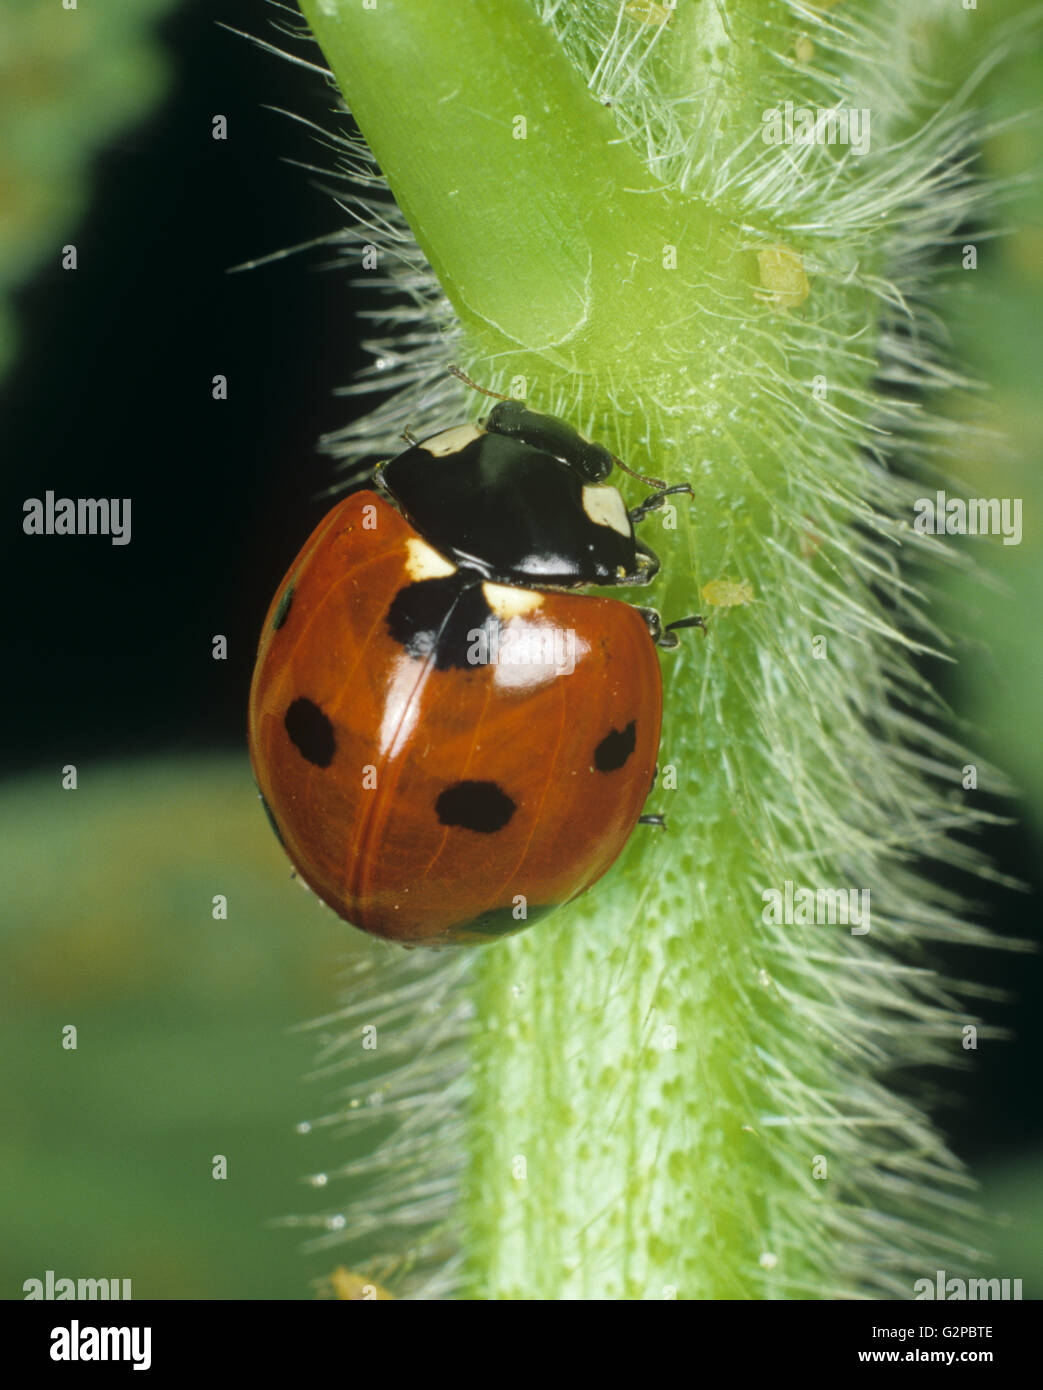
783	278
648	12
353	1288
726	593
804	49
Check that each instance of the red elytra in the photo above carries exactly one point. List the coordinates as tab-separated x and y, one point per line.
430	788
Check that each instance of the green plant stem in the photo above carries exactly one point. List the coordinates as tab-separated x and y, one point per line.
568	266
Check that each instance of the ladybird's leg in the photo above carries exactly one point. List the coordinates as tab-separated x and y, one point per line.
664	637
653	818
654	623
656	499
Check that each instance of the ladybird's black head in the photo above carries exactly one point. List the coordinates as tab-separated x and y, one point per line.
551	436
522	500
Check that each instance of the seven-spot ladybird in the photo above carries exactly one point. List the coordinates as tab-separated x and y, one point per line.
449	742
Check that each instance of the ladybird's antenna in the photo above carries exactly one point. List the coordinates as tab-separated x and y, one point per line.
454	370
656	483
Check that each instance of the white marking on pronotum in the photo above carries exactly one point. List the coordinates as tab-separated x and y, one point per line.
424	563
507	602
449	441
605	507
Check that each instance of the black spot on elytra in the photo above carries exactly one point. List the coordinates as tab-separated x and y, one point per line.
440	617
283	611
478	806
310	732
271	820
614	749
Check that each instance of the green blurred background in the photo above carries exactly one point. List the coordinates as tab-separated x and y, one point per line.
185	1048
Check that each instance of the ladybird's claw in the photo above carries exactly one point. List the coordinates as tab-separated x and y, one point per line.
656	820
409	437
695	621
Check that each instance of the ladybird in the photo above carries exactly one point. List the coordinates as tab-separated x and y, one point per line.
449	740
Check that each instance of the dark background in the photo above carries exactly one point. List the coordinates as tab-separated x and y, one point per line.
111	397
109	647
